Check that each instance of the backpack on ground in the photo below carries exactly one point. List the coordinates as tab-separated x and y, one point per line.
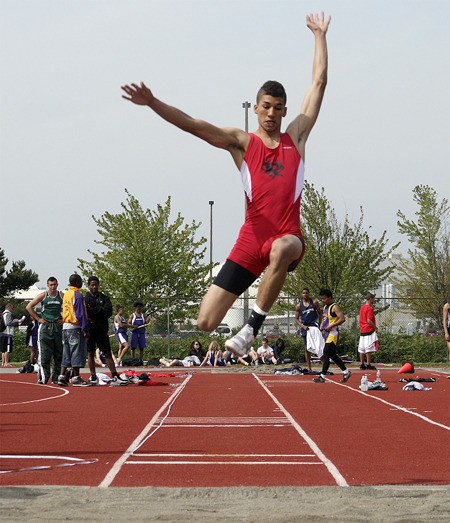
132	362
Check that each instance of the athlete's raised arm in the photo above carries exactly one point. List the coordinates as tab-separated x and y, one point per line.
233	140
300	128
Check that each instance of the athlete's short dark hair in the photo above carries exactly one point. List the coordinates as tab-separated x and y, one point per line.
272	88
51	278
93	278
325	292
75	280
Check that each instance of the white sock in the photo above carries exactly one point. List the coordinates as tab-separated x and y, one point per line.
258	310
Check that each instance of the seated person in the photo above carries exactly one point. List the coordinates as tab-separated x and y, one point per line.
100	359
188	361
196	350
251	358
265	353
214	356
278	348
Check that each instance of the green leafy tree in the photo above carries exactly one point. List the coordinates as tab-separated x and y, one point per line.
425	274
147	256
339	255
18	278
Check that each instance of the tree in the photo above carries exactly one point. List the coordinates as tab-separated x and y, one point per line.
426	274
148	257
339	256
18	278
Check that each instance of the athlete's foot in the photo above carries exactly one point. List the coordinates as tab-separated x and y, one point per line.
241	342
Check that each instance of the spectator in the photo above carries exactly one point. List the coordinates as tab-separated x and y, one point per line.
277	349
137	321
265	353
121	331
50	345
99	310
307	315
188	361
214	356
7	336
249	359
368	339
331	319
197	350
75	332
31	340
446	325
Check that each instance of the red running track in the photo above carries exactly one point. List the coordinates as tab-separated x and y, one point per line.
225	429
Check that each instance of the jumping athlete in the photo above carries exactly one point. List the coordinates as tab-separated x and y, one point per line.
271	164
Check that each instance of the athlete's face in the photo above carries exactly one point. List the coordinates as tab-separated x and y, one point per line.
270	111
326	300
93	287
52	286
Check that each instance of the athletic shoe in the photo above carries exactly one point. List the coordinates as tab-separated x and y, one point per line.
77	381
363	367
371	367
241	342
346	376
62	381
118	382
91	382
319	379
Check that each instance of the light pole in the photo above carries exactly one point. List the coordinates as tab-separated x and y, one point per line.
246	107
211	203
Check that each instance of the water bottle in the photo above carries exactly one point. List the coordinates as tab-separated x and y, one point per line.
364	386
378	375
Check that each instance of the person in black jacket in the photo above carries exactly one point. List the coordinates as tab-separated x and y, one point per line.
99	310
196	350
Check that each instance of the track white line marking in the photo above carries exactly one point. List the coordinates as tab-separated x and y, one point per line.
332	469
179	455
61	393
265	463
393	405
72	462
115	469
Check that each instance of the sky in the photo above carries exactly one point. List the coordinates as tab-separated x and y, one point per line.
70	145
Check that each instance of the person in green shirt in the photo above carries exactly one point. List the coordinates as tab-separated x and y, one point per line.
50	330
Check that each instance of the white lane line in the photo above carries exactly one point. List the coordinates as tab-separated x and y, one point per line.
265	463
115	469
70	462
190	454
61	393
393	405
332	469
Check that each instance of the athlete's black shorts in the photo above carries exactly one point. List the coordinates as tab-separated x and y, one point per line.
98	339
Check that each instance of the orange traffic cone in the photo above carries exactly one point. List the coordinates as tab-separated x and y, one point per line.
407	367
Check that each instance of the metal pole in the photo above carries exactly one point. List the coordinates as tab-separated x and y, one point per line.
246	107
211	203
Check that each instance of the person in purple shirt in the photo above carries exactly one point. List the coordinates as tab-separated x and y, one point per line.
75	332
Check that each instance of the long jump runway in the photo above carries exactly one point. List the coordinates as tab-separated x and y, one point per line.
216	429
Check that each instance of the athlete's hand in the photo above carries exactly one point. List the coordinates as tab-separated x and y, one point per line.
317	23
138	94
